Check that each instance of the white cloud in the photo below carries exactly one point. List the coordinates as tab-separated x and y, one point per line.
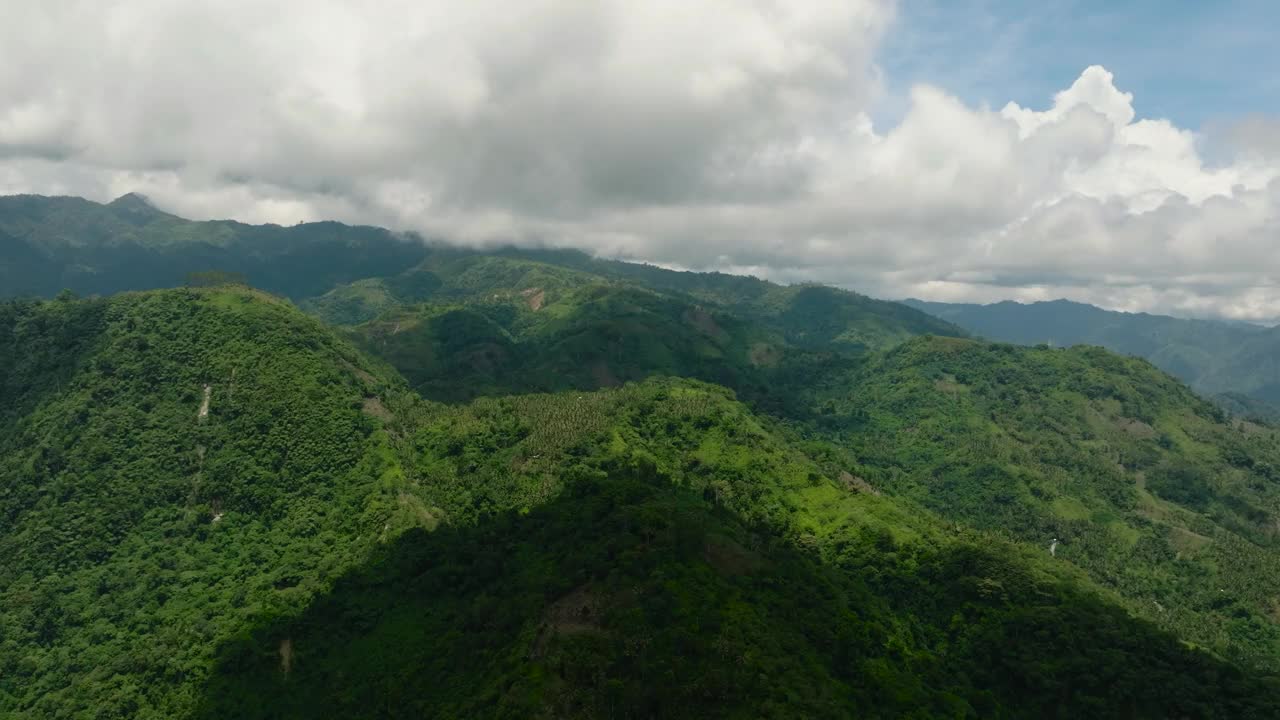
712	134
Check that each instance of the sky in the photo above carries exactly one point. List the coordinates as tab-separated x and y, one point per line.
1125	154
1193	62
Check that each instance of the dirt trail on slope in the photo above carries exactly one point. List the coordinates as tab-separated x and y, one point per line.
204	404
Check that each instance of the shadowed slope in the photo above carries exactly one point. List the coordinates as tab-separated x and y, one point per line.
628	598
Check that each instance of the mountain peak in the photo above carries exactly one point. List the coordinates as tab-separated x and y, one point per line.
134	202
135	208
132	199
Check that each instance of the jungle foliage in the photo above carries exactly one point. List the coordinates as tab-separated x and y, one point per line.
536	484
1232	362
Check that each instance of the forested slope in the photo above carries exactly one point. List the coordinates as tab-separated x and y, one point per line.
806	316
48	244
173	465
1149	488
537	484
462	324
323	541
1235	363
1142	483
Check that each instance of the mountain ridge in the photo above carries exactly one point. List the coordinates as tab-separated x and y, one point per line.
1215	357
516	483
319	526
50	244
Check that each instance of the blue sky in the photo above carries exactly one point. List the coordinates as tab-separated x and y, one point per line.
1195	62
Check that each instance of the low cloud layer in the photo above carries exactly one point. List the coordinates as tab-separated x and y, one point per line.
728	135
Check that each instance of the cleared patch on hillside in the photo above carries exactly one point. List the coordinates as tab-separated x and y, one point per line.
1186	543
577	613
764	354
1135	428
361	375
418	512
534	298
947	385
703	322
373	407
855	483
286	655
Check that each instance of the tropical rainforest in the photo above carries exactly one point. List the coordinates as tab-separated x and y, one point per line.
331	471
1232	363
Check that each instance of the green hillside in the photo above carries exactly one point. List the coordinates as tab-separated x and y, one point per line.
48	244
462	325
588	337
696	565
446	276
623	598
1147	487
173	466
318	540
1235	363
537	484
805	316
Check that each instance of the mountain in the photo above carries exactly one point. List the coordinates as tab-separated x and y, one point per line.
1131	477
814	316
1149	489
463	323
488	324
530	483
1214	357
351	274
48	244
173	465
215	506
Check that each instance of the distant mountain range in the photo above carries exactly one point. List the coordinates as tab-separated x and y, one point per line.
48	244
1237	363
414	481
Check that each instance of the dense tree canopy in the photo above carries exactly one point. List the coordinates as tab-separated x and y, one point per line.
534	484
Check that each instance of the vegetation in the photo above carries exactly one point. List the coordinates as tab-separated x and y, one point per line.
214	278
536	484
1153	492
810	315
462	325
807	316
1231	362
321	540
1149	489
627	598
48	244
1145	486
172	466
594	336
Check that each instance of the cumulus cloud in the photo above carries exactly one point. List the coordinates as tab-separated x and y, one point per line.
719	134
